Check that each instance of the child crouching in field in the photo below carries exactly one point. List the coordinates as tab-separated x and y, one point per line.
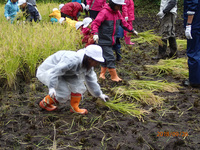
11	9
86	31
67	74
29	11
55	15
105	28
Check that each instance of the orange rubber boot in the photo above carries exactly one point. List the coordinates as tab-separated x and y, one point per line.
47	103
103	72
114	75
75	100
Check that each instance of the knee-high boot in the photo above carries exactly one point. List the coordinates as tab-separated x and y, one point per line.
114	75
161	51
103	72
48	103
173	47
75	100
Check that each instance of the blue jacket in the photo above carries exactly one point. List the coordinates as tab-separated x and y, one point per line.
192	7
79	1
11	9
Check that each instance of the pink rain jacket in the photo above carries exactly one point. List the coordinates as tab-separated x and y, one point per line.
106	25
96	5
128	10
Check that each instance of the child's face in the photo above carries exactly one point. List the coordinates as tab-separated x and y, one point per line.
117	7
23	5
14	1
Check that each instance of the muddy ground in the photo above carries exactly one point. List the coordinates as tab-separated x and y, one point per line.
25	126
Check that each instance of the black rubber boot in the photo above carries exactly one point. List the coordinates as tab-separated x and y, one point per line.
161	51
173	48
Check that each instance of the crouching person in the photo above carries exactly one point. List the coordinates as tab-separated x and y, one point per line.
66	73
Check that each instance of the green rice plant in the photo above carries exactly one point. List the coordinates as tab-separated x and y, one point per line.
147	36
178	68
182	44
24	46
126	108
154	85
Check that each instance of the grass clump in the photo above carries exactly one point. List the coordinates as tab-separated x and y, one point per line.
147	36
155	85
178	68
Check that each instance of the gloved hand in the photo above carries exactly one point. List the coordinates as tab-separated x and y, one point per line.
8	18
104	97
188	32
135	32
96	38
126	18
52	92
87	7
160	15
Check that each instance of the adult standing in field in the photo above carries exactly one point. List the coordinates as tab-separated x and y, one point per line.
29	11
167	15
105	28
192	33
128	14
94	7
33	2
71	10
11	8
66	73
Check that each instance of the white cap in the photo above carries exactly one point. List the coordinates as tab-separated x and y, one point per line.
55	9
119	2
95	52
83	5
87	21
60	6
78	24
20	2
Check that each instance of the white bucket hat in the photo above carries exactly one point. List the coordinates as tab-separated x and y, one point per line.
83	5
20	2
119	2
95	52
78	24
60	6
55	9
86	21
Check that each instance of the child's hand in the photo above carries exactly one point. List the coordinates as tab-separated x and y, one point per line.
96	38
8	18
135	32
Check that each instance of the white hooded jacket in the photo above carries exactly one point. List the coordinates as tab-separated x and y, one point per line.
168	6
63	71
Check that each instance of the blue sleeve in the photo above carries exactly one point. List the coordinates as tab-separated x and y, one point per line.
6	10
192	6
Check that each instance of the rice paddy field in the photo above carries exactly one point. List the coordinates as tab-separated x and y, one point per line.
149	110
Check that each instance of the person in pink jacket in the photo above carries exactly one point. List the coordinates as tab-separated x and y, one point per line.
94	7
128	14
105	28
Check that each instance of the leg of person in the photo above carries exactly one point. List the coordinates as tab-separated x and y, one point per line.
127	38
193	53
75	100
48	103
117	50
110	62
172	39
93	14
173	47
161	50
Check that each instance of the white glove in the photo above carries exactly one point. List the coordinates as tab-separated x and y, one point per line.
52	92
96	38
135	32
87	7
188	32
8	18
104	97
126	18
160	15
